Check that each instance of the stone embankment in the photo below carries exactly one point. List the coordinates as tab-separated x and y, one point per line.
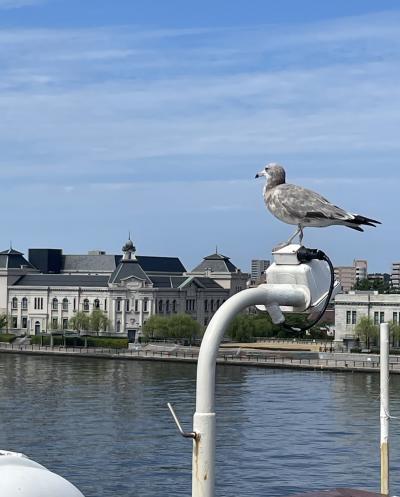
234	357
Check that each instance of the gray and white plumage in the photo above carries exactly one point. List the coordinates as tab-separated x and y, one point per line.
296	205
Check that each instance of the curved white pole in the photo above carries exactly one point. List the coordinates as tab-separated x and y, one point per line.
203	471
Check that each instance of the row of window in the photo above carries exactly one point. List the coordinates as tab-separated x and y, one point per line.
24	323
38	304
379	317
128	305
167	306
214	305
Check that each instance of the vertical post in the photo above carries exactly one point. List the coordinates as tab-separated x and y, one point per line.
384	410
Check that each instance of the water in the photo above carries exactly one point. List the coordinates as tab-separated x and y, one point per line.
105	426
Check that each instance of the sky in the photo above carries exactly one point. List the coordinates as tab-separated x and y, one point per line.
153	117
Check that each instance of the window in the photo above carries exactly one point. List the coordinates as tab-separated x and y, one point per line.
96	303
160	306
174	306
381	317
119	305
24	303
14	304
205	321
167	306
136	305
118	326
353	317
145	304
65	304
38	304
86	305
54	304
14	322
65	324
376	318
190	305
206	305
24	322
74	304
218	304
348	317
395	318
105	304
54	324
127	306
212	305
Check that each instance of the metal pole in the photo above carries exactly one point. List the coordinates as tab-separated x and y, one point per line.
384	410
203	460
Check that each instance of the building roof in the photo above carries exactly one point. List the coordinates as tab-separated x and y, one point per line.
157	265
103	263
76	280
216	263
182	281
127	269
12	259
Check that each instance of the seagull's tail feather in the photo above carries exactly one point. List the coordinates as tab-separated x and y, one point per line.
361	220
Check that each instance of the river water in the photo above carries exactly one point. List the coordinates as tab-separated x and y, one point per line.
105	426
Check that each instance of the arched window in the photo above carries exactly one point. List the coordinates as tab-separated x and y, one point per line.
86	305
174	306
96	304
14	303
160	306
65	304
54	304
24	303
118	305
167	306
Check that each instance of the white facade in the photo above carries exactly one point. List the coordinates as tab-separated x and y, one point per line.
351	307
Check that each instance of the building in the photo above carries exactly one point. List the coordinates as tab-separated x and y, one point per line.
220	269
351	307
347	277
395	276
43	293
258	268
361	266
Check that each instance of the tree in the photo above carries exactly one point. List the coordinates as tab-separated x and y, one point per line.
180	326
366	330
80	321
98	321
3	321
394	331
156	327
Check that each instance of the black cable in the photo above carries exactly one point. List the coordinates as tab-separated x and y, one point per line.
306	255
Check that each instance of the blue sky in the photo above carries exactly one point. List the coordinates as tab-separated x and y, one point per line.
155	116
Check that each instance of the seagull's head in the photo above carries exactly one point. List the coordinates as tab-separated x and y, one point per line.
274	173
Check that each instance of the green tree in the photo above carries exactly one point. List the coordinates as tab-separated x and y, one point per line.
98	321
3	321
80	321
156	327
366	330
394	331
183	326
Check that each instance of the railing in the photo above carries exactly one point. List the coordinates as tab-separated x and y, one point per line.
227	358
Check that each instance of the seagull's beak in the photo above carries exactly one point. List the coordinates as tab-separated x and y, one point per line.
260	174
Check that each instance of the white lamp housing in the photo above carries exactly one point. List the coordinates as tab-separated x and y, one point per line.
22	477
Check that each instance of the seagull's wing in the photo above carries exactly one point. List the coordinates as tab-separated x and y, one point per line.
303	203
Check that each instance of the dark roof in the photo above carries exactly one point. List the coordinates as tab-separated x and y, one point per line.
216	263
80	280
127	269
104	263
151	264
12	259
182	281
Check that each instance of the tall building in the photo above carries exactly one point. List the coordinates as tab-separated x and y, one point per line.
258	268
395	277
346	275
361	266
44	292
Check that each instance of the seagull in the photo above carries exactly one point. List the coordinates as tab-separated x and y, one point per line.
296	205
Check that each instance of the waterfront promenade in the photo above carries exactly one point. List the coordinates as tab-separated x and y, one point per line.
234	357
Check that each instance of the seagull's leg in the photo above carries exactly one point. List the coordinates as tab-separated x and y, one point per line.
285	244
301	234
